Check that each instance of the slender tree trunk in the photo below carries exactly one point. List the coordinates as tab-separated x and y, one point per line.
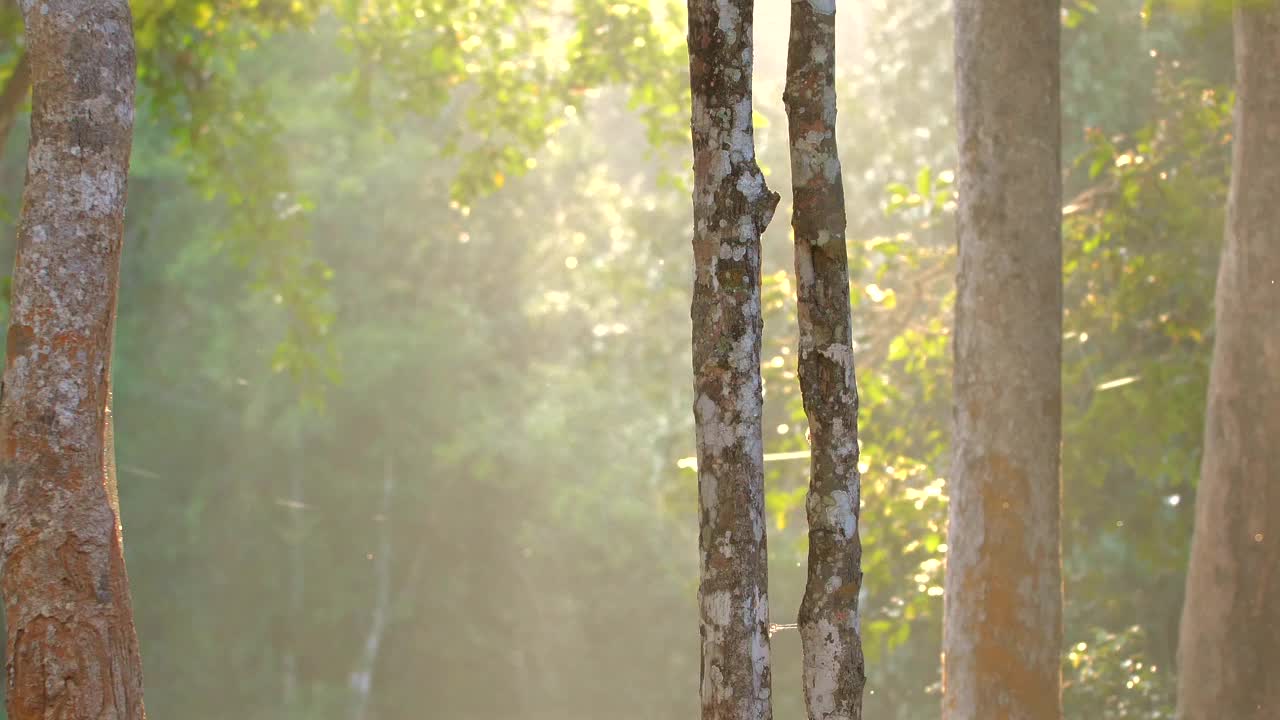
731	208
1003	619
291	697
380	614
1229	645
72	651
833	666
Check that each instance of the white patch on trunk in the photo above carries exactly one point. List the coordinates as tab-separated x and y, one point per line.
719	608
716	434
831	169
729	19
740	141
729	251
840	513
725	545
742	355
98	194
822	650
760	644
751	185
708	489
804	267
721	166
842	355
714	687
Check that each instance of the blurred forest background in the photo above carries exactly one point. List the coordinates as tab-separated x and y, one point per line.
403	381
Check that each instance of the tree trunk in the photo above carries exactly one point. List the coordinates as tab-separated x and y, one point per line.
1229	645
731	208
380	614
833	666
1003	619
72	651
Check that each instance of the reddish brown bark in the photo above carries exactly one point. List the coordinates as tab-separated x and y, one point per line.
834	674
1229	645
1003	612
731	207
72	652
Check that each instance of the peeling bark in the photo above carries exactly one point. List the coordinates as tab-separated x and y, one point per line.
1229	645
72	651
834	674
731	208
1002	635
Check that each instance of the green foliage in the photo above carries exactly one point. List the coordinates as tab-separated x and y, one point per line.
1108	677
461	228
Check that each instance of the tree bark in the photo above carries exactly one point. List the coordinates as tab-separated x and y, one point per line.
1229	644
72	651
834	674
1003	619
731	208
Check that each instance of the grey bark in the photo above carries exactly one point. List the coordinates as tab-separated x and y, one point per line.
834	674
1003	611
1229	645
731	208
72	651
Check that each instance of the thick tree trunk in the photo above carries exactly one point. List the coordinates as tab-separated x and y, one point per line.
72	652
1229	646
1003	618
731	208
833	665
